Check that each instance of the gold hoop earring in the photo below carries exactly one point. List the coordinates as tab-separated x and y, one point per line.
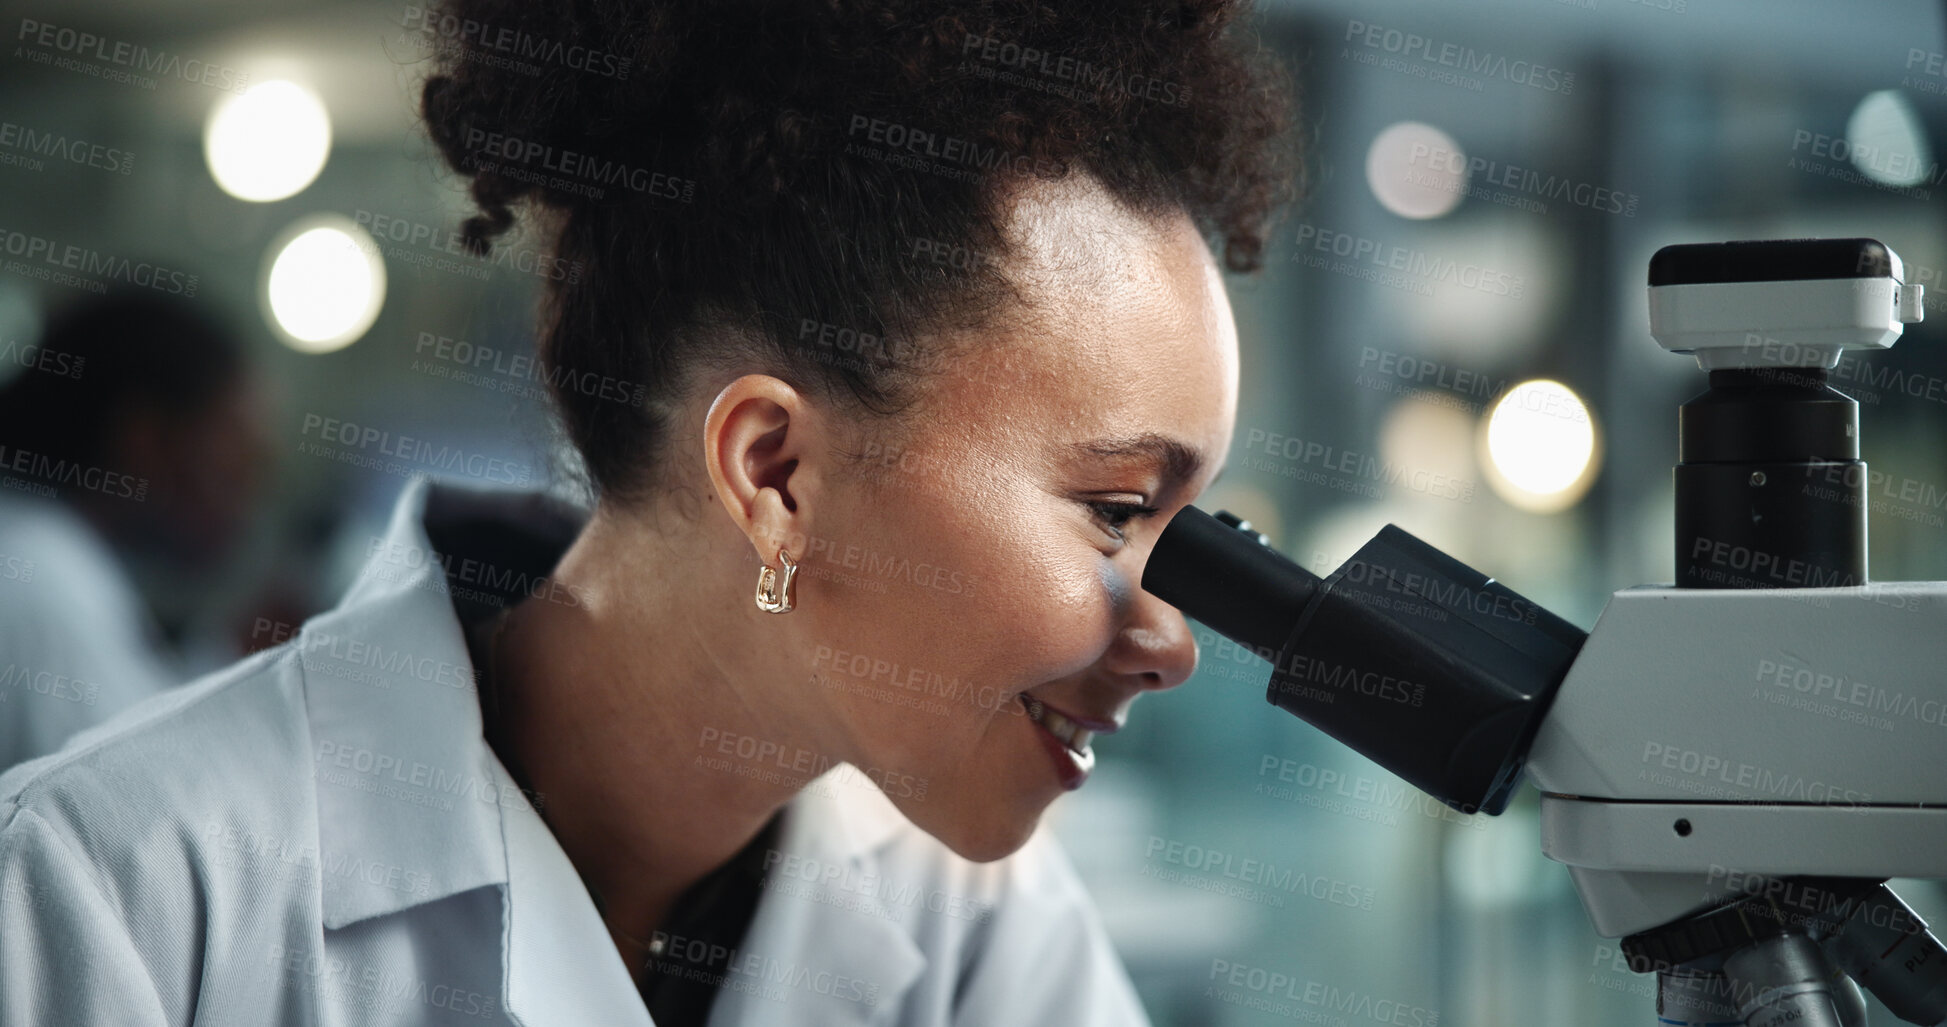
773	595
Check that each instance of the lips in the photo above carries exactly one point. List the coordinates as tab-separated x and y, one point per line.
1065	735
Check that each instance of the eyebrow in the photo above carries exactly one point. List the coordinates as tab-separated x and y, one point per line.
1179	460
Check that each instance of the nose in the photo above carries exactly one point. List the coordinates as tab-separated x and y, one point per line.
1154	647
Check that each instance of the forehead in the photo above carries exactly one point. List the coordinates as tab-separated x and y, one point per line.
1124	331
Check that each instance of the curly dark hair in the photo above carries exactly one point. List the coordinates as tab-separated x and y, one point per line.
820	184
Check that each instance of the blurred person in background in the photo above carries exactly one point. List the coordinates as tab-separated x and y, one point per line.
133	436
880	350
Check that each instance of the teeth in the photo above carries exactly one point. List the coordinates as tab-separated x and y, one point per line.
1072	735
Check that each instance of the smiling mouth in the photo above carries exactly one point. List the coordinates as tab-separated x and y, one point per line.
1069	733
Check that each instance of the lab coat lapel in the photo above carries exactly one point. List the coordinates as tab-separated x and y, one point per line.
818	954
561	966
407	806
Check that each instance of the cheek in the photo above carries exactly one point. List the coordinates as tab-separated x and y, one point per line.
1036	609
949	607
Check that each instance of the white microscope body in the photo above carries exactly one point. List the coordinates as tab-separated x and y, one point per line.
1768	755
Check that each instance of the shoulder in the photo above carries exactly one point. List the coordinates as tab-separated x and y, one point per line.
154	777
132	840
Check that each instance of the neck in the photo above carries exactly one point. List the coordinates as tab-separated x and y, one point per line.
607	701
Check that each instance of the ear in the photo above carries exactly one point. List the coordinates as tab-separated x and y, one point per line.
760	446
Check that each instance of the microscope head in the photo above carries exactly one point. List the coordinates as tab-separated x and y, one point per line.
1770	487
1779	303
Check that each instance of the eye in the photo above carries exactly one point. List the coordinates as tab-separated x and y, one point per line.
1116	516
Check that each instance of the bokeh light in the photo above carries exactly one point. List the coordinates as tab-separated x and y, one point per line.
324	286
267	142
1416	170
1885	141
1540	441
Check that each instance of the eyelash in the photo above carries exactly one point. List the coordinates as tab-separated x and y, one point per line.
1117	515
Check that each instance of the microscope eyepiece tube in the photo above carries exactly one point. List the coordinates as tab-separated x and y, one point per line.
1236	584
1422	664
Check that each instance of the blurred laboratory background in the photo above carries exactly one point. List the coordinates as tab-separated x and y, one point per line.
1451	335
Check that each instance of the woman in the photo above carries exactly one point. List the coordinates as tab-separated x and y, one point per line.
889	338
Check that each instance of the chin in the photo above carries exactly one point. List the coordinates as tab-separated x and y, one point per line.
988	840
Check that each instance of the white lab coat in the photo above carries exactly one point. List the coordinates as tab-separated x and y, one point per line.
76	644
320	835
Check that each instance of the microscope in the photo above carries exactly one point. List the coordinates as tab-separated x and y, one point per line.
1731	766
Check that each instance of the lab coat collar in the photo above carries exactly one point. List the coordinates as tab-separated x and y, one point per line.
415	807
841	954
409	800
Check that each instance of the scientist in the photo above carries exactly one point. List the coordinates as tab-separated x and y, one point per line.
132	445
883	407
